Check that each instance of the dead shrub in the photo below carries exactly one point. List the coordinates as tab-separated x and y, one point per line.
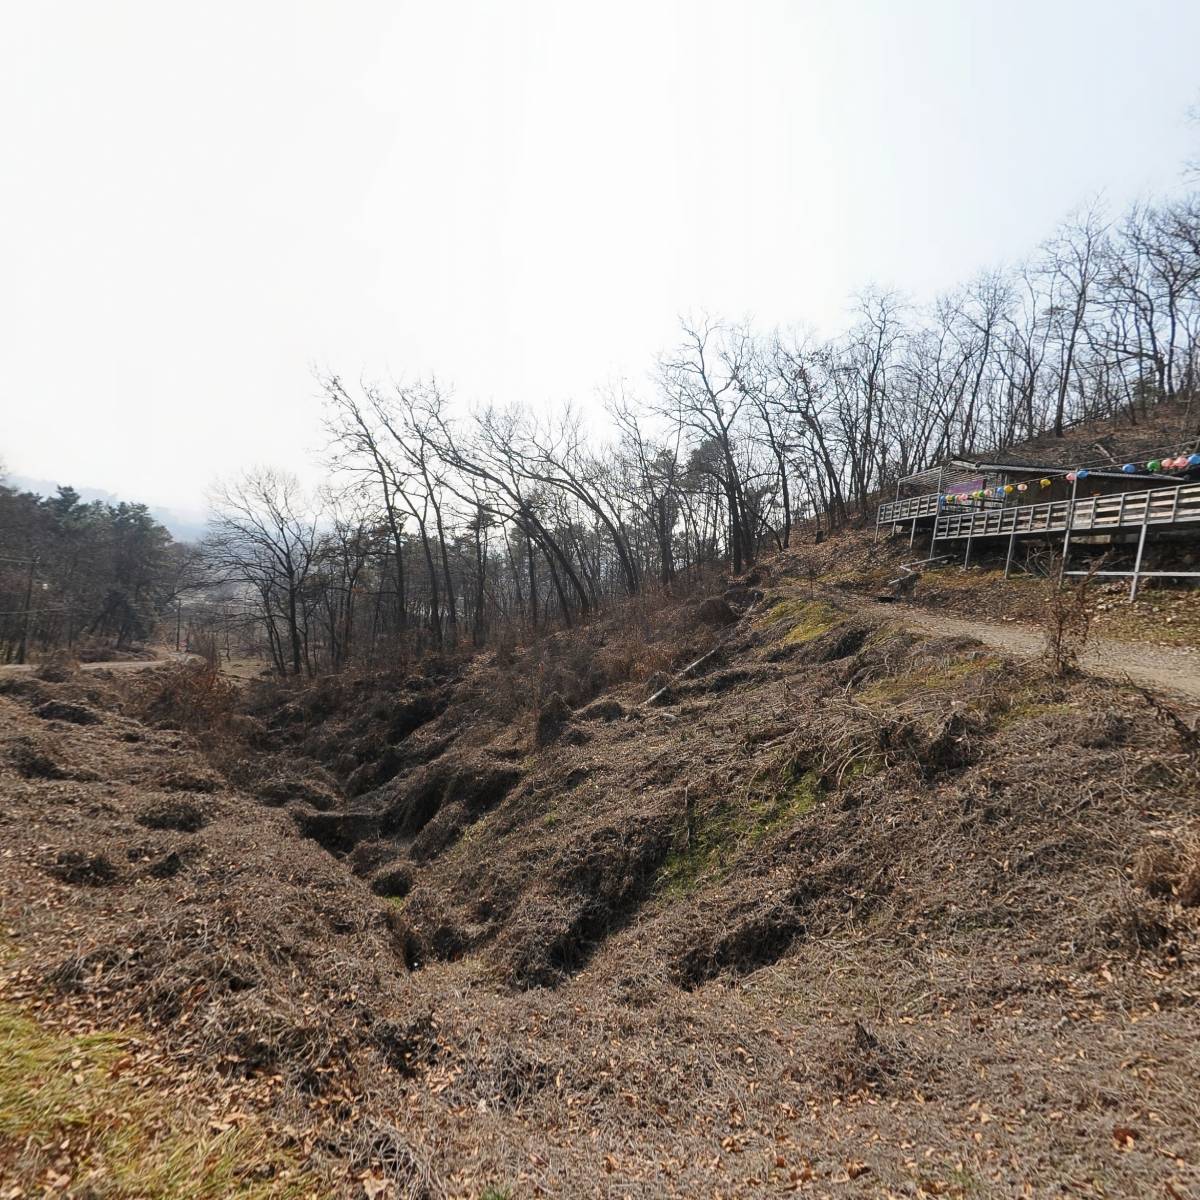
553	715
1169	871
372	1145
1131	925
191	696
59	667
863	1061
1154	870
1067	621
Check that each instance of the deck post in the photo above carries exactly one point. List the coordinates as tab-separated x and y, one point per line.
1137	563
912	537
1012	538
967	555
1062	566
937	513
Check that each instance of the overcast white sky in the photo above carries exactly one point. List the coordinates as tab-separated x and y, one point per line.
201	201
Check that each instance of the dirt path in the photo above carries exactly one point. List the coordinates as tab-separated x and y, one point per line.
122	667
1158	667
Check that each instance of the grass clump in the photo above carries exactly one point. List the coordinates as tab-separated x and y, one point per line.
72	1118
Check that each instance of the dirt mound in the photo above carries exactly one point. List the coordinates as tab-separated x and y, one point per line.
580	898
73	714
187	779
180	815
80	867
32	761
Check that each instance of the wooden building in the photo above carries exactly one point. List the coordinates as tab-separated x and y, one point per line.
1004	502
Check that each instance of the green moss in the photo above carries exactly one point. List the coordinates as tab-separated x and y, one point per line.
895	689
729	828
807	619
125	1138
1027	707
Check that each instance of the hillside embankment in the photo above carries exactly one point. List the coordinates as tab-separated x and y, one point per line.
847	910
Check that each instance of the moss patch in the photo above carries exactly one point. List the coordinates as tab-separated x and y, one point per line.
732	826
805	619
110	1135
895	689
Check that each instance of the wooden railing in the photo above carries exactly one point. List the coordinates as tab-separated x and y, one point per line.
925	506
1159	506
914	506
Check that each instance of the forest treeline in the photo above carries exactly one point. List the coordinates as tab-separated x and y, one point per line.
443	528
75	574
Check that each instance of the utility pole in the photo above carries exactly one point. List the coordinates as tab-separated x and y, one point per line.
24	645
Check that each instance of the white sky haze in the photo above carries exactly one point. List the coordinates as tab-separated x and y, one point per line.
202	201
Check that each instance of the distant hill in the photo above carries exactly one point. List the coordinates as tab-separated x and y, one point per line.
185	526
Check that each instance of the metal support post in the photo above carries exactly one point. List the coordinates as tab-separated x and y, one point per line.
1137	565
1062	566
1012	538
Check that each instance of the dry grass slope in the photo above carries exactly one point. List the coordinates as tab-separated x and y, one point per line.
845	911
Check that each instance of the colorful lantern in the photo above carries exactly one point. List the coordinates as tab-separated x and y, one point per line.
1129	468
1193	460
1009	489
1155	464
1082	473
1045	483
1022	487
1070	476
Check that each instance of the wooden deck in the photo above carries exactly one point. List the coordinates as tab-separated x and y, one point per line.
905	510
1166	506
917	508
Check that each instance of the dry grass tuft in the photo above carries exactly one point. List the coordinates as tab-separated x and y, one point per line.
80	1114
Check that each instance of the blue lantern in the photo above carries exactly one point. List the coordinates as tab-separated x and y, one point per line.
1129	468
1082	473
1193	460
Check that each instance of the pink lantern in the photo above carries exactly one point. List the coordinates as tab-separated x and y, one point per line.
1022	487
1070	476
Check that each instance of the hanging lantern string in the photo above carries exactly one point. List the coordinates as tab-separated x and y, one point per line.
1156	465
